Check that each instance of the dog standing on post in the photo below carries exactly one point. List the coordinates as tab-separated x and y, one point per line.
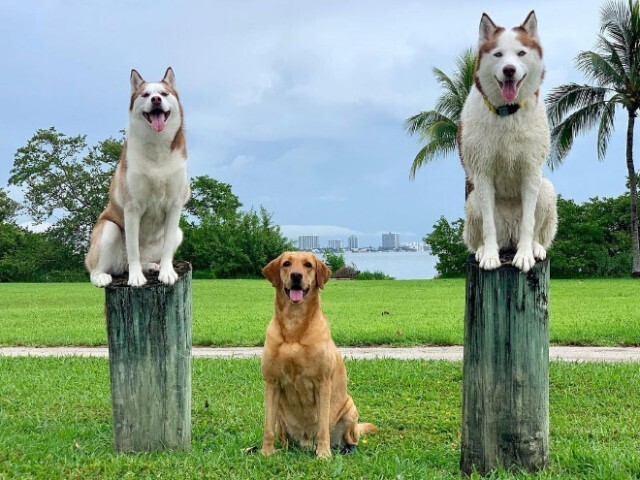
139	229
504	140
306	397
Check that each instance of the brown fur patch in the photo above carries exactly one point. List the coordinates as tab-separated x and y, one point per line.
527	40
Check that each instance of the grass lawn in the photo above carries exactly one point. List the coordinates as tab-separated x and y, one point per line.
55	423
236	312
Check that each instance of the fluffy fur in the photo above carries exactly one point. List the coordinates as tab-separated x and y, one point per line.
512	205
306	397
138	231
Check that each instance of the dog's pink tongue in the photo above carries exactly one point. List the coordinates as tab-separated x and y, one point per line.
509	91
157	121
296	295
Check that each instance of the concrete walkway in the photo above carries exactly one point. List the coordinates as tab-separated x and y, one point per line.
570	354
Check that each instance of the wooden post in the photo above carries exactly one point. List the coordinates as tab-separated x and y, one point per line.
149	331
505	418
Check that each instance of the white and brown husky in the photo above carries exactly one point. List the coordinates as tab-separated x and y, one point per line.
504	141
138	231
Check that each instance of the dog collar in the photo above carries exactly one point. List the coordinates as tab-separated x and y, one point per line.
504	110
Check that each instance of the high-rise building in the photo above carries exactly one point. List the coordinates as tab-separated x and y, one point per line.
353	242
390	240
335	244
308	242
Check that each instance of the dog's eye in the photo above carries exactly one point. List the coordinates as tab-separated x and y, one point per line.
308	265
164	94
497	54
145	95
286	264
522	53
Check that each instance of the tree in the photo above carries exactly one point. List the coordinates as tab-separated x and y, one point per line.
614	69
8	207
335	260
223	242
65	181
439	127
445	242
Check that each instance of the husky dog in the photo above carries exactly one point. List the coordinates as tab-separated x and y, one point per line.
139	227
504	140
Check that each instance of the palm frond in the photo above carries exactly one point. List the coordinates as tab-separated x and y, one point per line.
565	98
605	128
601	70
443	144
565	132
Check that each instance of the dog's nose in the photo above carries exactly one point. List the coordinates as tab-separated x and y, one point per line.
509	71
156	100
296	276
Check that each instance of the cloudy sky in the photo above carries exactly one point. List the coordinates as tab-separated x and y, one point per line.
299	105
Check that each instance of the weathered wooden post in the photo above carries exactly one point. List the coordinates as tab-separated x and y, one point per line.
505	418
149	330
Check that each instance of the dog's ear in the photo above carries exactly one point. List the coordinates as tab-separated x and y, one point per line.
487	28
530	24
136	81
170	78
272	272
323	274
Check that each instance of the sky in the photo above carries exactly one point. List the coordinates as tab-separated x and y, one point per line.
299	105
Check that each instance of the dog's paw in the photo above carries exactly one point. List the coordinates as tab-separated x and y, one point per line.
101	279
267	451
168	275
323	453
136	278
524	260
488	258
539	251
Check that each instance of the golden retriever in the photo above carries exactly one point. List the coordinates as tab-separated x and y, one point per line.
306	398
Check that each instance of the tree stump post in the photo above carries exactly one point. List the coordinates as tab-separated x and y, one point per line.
149	332
505	418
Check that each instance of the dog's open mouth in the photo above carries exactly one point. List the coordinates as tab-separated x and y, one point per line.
157	118
296	294
509	88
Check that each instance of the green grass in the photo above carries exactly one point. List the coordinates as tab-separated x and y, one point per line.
55	423
236	312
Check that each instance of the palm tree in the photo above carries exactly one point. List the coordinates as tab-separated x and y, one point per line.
439	127
614	70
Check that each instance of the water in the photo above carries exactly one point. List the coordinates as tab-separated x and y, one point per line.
400	265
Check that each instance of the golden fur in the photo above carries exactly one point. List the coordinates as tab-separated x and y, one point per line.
306	398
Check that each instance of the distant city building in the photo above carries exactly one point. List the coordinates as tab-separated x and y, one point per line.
308	242
390	240
353	242
335	244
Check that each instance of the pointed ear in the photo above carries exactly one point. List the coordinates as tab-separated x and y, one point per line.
530	24
487	28
136	81
323	274
169	78
272	272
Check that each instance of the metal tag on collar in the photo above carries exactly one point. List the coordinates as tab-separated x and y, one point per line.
506	110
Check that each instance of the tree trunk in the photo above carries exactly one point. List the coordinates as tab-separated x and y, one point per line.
149	331
505	417
633	188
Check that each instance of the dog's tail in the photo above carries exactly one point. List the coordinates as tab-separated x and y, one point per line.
366	428
352	435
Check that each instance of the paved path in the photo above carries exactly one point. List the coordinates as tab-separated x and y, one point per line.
571	354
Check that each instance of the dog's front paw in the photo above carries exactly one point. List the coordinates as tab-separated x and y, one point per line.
168	275
101	279
524	260
267	450
323	452
136	278
488	258
539	251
